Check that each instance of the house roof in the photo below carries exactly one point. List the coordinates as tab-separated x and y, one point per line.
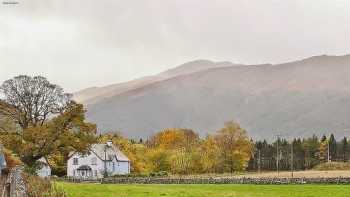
99	150
43	162
2	161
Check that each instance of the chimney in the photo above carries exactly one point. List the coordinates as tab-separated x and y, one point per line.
109	143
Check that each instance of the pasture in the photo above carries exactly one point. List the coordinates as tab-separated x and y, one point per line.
113	190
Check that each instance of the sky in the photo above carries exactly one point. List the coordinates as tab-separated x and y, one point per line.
83	43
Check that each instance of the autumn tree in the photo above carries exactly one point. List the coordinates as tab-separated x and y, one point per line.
64	133
174	138
11	160
159	159
210	155
235	147
30	101
181	162
48	121
136	152
175	149
6	124
323	149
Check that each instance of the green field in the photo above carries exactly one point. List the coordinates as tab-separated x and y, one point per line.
109	190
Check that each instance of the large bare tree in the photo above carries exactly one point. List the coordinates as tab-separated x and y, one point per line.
31	100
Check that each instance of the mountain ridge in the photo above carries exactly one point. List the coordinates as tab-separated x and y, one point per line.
90	95
293	98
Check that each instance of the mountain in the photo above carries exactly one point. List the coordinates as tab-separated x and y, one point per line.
93	95
301	98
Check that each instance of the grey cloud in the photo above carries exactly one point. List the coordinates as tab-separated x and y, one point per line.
108	41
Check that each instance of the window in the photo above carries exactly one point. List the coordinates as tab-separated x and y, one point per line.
113	167
94	161
75	161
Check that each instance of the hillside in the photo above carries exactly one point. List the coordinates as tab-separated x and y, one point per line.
293	99
92	95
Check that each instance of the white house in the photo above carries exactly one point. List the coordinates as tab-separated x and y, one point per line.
102	159
45	169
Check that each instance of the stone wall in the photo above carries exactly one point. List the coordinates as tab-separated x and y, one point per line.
16	183
3	184
154	180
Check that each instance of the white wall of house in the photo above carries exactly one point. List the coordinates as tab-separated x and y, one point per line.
100	159
91	160
123	167
44	171
117	167
97	165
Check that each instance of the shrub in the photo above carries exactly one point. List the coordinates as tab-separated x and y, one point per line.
157	174
333	166
133	175
40	187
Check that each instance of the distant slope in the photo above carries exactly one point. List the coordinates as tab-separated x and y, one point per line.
194	66
92	95
293	99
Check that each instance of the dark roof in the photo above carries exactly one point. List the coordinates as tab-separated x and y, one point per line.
84	167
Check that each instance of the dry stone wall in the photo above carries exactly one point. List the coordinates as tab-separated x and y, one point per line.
16	183
154	180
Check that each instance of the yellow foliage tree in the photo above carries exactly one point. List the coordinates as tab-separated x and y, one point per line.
180	146
235	147
210	155
159	159
175	138
136	152
323	150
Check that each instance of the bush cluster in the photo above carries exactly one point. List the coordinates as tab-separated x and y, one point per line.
333	166
40	187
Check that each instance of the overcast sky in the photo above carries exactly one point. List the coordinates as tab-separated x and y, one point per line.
83	43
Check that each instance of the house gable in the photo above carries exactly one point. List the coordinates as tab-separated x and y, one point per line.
99	156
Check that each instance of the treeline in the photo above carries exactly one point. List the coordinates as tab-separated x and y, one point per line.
39	120
303	153
182	151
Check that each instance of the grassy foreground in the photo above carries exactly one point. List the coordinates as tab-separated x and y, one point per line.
109	190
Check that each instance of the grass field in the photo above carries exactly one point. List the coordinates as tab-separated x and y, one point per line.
98	190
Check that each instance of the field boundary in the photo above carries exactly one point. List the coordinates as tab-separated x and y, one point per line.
243	180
